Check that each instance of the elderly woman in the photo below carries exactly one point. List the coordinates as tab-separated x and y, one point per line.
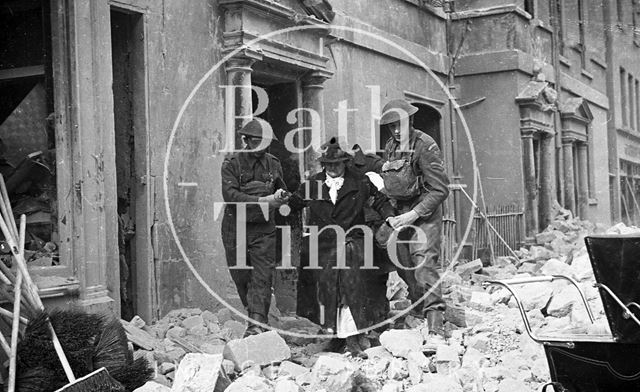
351	298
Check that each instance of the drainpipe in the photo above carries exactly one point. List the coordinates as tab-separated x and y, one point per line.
555	56
448	9
612	133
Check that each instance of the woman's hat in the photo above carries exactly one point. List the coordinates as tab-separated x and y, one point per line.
331	152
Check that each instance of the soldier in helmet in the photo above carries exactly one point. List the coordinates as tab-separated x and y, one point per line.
416	182
252	179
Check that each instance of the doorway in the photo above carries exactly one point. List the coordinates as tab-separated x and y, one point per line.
283	97
137	285
427	119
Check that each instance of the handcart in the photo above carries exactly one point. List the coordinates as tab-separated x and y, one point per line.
589	363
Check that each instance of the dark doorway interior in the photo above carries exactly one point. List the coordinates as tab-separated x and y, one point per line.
123	27
283	98
427	119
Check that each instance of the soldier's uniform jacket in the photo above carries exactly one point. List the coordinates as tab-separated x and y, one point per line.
427	163
366	162
245	178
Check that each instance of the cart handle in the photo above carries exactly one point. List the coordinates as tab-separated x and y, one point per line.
549	278
626	312
507	283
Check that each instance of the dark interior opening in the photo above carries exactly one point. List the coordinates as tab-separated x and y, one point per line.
283	98
27	135
123	27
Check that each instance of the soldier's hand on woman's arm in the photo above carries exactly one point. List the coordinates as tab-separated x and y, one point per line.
277	199
403	219
282	195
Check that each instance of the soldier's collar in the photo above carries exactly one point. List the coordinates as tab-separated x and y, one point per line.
252	158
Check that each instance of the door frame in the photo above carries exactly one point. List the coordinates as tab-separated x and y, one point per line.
144	269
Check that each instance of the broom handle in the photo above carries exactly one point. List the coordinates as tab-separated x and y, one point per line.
4	344
7	211
15	327
22	267
5	313
31	289
9	298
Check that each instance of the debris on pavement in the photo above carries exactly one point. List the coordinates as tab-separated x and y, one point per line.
487	348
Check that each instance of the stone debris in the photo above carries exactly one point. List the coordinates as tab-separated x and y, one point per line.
400	342
197	372
261	349
152	386
332	373
487	349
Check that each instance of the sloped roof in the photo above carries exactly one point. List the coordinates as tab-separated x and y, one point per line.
576	107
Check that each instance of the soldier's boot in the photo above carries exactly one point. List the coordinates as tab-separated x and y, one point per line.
255	329
354	348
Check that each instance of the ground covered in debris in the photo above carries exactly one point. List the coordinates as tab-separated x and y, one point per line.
488	348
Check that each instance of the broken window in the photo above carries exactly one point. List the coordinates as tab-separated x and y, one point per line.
27	137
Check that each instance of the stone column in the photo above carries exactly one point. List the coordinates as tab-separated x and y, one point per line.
569	183
547	178
238	100
583	177
312	99
530	186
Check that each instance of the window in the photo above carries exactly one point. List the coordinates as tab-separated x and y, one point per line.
581	30
560	25
635	15
620	11
637	108
623	96
529	7
27	136
632	105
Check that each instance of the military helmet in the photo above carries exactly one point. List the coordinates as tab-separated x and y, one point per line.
258	128
395	110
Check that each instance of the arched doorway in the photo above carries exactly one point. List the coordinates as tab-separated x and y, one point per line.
427	119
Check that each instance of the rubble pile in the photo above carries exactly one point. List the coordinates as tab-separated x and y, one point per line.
488	348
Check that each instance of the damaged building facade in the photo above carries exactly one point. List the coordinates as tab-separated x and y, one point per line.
136	102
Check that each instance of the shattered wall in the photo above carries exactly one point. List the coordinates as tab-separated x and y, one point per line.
183	44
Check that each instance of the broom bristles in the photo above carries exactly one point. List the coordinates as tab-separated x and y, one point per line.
111	350
97	381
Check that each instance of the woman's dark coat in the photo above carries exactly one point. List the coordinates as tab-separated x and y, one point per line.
363	290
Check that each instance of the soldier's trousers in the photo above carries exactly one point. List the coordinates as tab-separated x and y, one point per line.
423	254
254	283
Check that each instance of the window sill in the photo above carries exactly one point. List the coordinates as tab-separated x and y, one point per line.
564	61
56	286
629	132
599	62
587	74
593	201
53	286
